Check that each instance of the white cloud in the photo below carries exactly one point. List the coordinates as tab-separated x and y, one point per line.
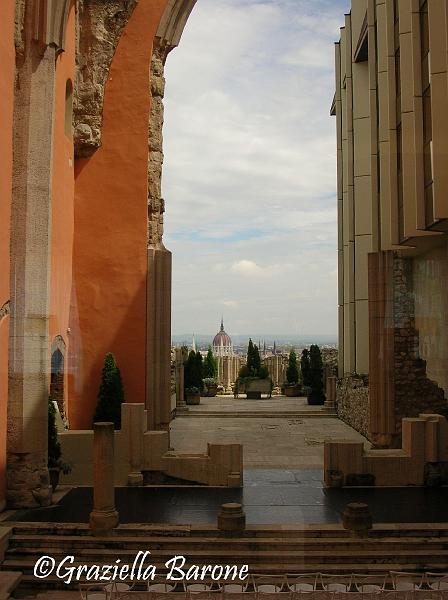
247	267
250	166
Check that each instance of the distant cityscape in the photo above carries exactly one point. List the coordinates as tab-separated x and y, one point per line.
281	343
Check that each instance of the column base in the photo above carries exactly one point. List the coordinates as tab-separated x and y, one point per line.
135	479
28	481
103	521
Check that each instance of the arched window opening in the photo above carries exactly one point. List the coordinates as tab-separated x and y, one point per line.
69	109
57	379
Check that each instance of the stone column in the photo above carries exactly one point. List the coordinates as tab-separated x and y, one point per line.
158	372
103	517
27	473
330	393
180	392
381	349
158	367
132	428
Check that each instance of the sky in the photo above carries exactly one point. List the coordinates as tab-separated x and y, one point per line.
249	176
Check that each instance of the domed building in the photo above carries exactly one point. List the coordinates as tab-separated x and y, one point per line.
222	343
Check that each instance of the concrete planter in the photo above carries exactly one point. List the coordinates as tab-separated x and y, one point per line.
293	391
211	390
193	399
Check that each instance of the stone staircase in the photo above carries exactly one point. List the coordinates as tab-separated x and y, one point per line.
266	549
261	414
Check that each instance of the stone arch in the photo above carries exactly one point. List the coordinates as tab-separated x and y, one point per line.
173	22
100	26
49	22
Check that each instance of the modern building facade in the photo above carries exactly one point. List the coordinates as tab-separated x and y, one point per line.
392	144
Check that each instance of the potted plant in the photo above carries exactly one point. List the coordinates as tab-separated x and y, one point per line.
211	387
192	395
293	386
253	378
55	462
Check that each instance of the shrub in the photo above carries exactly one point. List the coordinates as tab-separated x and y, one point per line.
193	371
54	447
305	367
316	375
292	372
210	368
111	394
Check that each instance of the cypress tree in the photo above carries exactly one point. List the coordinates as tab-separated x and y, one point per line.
193	371
250	358
316	375
54	447
292	372
210	365
257	361
111	394
198	371
305	367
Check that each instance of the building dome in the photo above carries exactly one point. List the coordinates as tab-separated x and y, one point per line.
222	343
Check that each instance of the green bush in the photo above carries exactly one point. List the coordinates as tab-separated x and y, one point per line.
292	372
316	375
110	395
54	447
193	371
305	367
210	368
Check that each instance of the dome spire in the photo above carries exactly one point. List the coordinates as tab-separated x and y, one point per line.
222	323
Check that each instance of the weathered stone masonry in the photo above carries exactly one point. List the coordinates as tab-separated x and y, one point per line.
414	392
376	410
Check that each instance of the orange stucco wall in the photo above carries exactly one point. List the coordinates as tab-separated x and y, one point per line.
108	311
62	196
7	62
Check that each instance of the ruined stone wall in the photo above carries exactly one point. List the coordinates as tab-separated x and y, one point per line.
352	402
99	28
156	206
415	393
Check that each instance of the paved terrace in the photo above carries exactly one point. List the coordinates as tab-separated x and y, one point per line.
277	433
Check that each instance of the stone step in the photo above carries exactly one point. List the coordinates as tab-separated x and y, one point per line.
252	414
204	543
9	580
17	556
403	530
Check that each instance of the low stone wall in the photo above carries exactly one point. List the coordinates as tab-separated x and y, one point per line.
424	445
138	451
352	402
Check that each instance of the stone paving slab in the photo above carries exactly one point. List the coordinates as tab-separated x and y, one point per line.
292	443
235	405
